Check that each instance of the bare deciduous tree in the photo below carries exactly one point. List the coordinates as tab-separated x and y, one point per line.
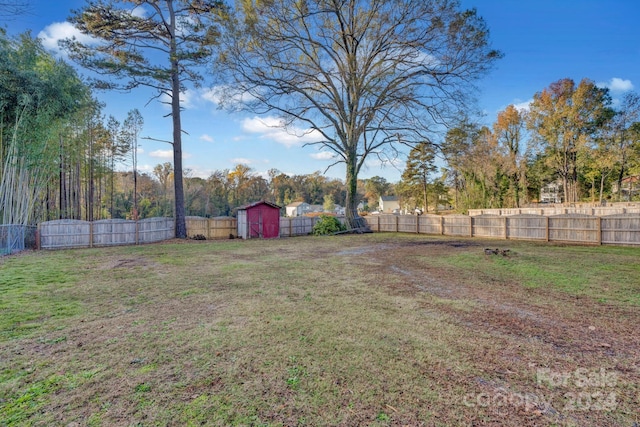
363	76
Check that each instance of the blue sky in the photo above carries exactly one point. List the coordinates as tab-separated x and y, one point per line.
542	40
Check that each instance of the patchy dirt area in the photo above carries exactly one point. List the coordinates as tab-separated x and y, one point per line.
553	357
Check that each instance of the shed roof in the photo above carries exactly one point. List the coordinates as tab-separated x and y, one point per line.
261	202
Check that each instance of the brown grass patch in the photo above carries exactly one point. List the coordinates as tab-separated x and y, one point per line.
346	330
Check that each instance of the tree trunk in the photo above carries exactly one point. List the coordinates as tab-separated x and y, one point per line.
179	213
78	190
516	188
620	178
63	191
426	201
113	172
135	194
353	220
565	188
90	201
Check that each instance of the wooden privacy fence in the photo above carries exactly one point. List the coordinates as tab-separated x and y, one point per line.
71	233
623	229
299	225
222	227
551	211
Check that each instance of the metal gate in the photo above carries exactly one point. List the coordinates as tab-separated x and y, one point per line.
15	238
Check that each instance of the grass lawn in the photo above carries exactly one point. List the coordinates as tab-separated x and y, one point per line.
352	330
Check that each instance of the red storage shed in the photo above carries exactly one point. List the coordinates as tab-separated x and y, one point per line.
259	220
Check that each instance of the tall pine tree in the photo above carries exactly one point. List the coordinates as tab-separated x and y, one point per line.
154	43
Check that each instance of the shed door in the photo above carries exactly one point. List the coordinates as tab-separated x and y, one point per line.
254	218
271	223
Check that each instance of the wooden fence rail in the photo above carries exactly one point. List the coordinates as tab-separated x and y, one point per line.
222	227
622	229
71	233
62	234
551	211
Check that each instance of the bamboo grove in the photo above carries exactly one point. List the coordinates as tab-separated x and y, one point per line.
58	154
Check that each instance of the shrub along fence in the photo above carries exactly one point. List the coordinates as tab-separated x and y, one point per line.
623	229
300	225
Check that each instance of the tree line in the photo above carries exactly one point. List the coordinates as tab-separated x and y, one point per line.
571	135
366	78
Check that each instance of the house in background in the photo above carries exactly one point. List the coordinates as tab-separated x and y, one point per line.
389	204
629	188
297	209
551	193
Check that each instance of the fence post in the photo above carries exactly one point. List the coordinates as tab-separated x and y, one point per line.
506	228
599	229
470	226
442	225
290	227
91	234
417	224
397	223
547	229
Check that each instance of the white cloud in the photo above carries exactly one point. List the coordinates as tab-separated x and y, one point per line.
139	12
617	85
395	163
216	94
59	31
273	128
197	172
241	161
206	138
211	95
167	154
523	106
145	168
188	99
323	155
162	154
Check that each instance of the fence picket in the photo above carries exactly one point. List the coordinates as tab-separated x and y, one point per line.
622	229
